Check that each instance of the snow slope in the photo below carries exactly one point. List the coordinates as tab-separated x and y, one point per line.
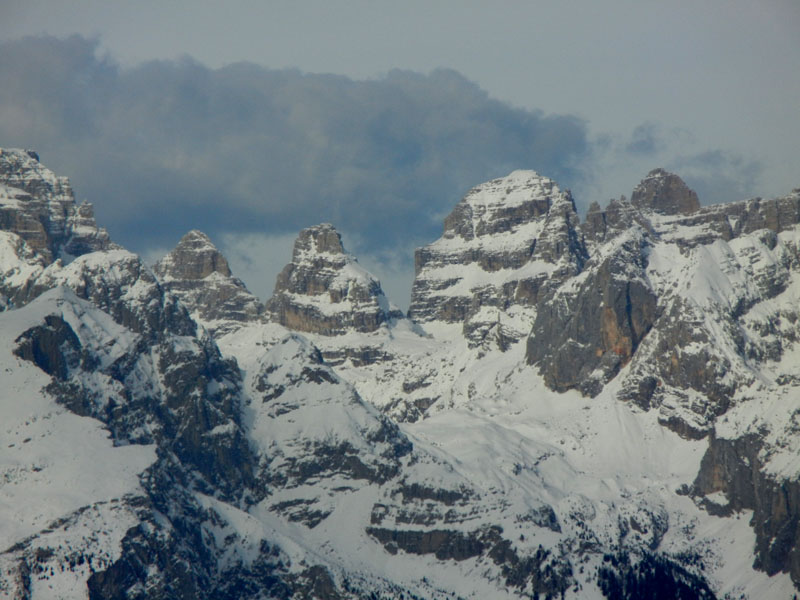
66	493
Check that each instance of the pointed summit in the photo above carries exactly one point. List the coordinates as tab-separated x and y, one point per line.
324	290
199	275
666	193
195	257
320	239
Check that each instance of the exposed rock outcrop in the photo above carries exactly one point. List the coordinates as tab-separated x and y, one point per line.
583	337
275	467
735	469
602	225
324	290
199	275
664	193
506	245
194	258
40	208
540	572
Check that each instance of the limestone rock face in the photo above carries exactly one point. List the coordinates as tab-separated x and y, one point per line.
582	339
734	468
653	207
46	241
199	275
40	208
604	224
195	257
506	245
665	193
324	290
684	297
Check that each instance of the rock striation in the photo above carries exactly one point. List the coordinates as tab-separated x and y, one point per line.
507	244
40	208
324	290
199	275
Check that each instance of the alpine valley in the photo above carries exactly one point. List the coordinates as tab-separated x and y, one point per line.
607	408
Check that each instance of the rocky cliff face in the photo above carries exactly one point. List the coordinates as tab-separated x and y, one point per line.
199	275
507	244
664	193
584	335
735	470
40	207
669	291
324	290
694	310
106	362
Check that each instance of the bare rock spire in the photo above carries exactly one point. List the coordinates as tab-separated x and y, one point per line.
200	276
666	193
324	290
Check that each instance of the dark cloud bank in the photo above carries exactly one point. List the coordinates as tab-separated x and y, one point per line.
244	148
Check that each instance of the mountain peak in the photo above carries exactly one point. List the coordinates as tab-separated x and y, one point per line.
218	466
324	290
39	207
195	257
319	239
504	244
195	235
501	205
666	193
199	275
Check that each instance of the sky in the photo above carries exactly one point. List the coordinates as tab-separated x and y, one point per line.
252	120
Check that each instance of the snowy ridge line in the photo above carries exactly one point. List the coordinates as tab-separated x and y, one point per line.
433	459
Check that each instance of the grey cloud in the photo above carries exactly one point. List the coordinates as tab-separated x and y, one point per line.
172	145
718	176
646	140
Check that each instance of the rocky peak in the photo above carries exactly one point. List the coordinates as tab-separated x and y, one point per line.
199	275
500	205
504	245
666	193
662	282
195	257
21	169
39	207
663	206
559	241
318	240
324	290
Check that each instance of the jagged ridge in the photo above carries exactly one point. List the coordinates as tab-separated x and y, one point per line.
40	207
259	462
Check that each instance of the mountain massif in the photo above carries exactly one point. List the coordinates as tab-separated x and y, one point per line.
596	408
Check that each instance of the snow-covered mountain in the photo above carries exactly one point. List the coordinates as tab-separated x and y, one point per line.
506	244
579	410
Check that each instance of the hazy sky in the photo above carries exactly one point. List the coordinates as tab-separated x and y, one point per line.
151	108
